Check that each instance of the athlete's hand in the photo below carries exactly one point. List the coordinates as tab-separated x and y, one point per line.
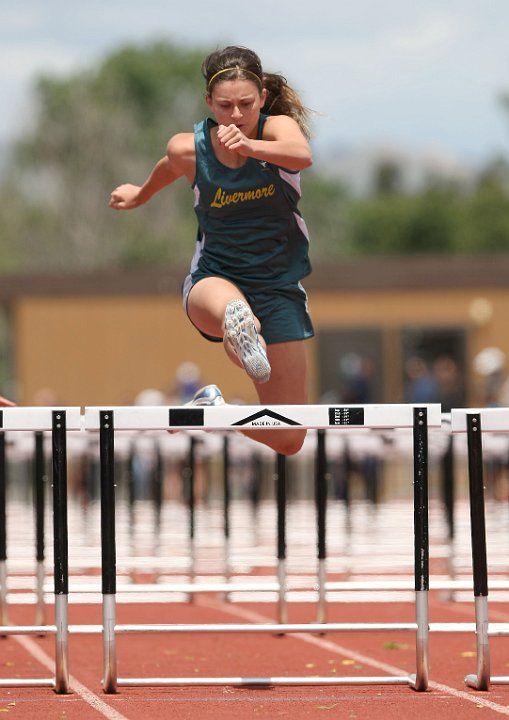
6	403
234	139
124	197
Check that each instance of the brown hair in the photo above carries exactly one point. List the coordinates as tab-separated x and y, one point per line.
235	62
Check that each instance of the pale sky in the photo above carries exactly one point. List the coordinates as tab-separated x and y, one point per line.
417	75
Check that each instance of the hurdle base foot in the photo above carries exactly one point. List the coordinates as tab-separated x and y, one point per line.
419	685
477	682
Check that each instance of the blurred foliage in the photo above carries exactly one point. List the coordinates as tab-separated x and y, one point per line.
103	126
93	131
442	218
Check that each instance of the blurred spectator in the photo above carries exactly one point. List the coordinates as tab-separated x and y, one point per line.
421	385
449	382
188	380
490	364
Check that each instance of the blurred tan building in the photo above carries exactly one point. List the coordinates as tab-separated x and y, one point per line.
101	339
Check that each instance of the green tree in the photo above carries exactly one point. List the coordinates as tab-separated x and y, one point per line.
486	226
97	129
324	205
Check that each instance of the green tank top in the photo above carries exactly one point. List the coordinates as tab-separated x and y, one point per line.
249	227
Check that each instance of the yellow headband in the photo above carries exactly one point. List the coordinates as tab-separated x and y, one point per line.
220	72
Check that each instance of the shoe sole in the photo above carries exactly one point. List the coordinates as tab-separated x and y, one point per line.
241	332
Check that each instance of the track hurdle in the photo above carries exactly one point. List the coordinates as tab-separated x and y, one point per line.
58	422
474	423
230	417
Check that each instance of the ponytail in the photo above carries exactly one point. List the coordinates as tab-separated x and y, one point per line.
284	100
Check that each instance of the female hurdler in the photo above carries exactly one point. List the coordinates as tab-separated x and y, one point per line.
244	287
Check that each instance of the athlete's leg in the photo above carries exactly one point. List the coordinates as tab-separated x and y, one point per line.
207	301
218	308
288	385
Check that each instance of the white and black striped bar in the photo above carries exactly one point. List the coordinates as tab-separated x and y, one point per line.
283	417
58	421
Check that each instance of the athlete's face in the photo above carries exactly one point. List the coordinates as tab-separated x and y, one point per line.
238	102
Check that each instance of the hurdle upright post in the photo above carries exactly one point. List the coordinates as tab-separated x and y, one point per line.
321	514
481	680
190	494
226	508
39	508
3	528
281	536
157	482
61	552
108	549
421	546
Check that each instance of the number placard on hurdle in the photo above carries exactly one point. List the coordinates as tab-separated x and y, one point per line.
252	417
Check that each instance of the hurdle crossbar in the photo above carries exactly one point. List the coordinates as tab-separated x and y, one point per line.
230	417
58	421
239	417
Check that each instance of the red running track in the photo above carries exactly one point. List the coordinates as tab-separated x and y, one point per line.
355	653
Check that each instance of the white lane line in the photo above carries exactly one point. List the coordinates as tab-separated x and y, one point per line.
87	695
354	655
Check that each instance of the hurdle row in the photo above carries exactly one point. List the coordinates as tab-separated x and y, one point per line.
106	421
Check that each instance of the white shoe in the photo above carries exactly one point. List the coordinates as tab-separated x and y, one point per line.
241	332
208	395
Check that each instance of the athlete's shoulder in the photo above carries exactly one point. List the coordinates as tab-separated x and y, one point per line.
275	125
181	144
181	153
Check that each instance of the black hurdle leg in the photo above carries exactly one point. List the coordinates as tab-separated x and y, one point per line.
157	482
190	494
421	546
61	553
480	681
108	549
226	508
321	517
39	508
281	536
447	478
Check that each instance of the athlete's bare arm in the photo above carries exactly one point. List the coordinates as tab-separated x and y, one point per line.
179	161
283	143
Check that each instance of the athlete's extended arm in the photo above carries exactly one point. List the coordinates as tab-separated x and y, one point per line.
283	143
178	161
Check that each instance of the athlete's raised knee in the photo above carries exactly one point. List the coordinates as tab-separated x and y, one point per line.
291	443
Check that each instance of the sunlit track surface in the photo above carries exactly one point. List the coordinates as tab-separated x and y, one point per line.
366	544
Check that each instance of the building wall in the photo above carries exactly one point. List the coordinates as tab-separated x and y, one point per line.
96	349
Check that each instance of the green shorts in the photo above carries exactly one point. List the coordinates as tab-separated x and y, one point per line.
283	313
